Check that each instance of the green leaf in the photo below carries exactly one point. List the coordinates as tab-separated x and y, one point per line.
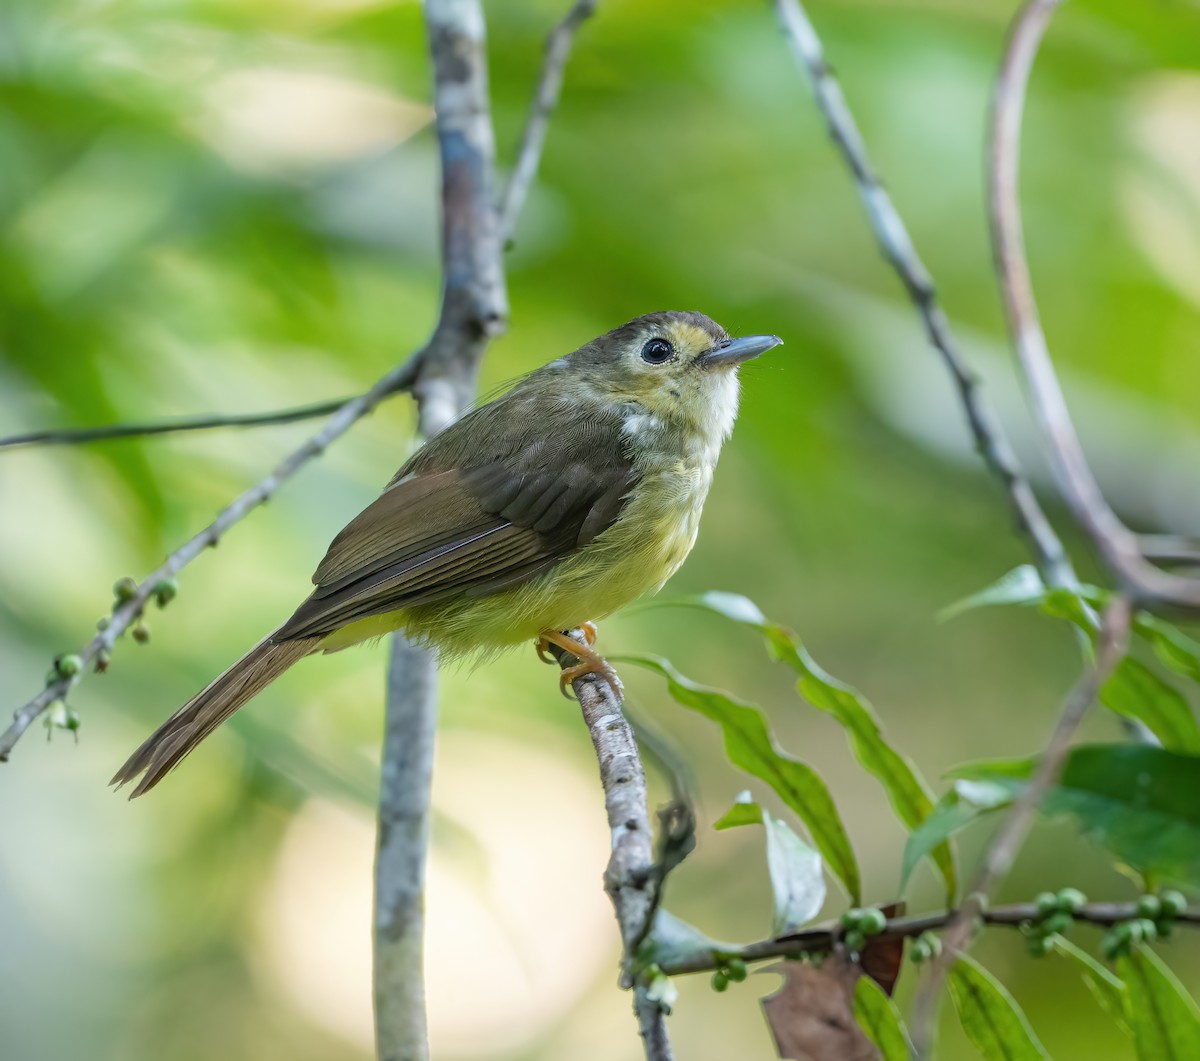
963	804
1139	801
1021	585
906	791
878	1017
1109	990
795	868
1170	644
749	745
990	1016
1165	1018
673	941
1135	691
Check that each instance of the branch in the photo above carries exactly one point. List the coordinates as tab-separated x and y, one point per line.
1003	849
557	52
897	247
474	308
77	436
347	415
632	879
1117	544
822	938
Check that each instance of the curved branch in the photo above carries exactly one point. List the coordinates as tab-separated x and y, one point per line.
400	378
80	435
897	248
1117	544
545	99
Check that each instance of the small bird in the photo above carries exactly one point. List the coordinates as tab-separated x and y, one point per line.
564	499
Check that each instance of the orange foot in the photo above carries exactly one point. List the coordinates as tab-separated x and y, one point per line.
590	661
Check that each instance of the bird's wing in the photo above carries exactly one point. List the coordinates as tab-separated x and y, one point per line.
440	533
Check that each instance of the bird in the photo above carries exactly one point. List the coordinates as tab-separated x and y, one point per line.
550	507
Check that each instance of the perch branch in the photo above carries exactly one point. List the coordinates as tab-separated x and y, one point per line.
1005	845
1116	543
822	938
77	436
348	414
632	878
897	248
545	99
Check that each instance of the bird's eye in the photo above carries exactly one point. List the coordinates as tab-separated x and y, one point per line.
656	351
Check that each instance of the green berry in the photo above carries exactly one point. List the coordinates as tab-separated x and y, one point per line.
165	591
851	918
1133	930
69	666
141	633
855	940
102	623
1071	900
1173	904
1150	906
736	970
920	951
719	981
873	922
935	943
1148	928
1056	923
1040	946
1046	903
1112	946
124	589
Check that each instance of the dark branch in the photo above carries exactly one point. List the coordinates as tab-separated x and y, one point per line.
77	436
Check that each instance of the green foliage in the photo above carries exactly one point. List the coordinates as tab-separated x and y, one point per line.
905	789
1141	802
1135	691
991	1018
797	880
749	745
964	803
878	1017
1164	1018
1109	990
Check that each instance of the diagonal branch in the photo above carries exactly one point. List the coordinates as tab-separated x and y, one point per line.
545	99
1006	844
80	435
400	378
897	247
1117	544
632	878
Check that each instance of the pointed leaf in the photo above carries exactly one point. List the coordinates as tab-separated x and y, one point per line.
878	1017
673	941
749	745
1109	990
1164	1017
990	1016
1170	644
908	794
1021	585
963	804
1135	691
795	868
1141	802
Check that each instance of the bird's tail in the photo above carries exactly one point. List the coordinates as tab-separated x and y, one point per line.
166	746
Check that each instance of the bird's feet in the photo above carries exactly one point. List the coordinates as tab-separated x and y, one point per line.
590	661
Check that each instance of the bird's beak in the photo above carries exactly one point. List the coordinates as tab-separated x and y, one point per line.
733	352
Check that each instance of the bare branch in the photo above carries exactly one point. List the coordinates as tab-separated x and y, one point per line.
822	938
77	436
347	415
474	308
897	247
545	99
1005	845
631	878
1117	544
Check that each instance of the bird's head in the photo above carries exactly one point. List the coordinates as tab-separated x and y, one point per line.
677	366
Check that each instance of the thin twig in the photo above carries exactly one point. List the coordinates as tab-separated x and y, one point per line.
897	247
1117	544
1170	549
474	308
630	879
1005	845
351	412
77	436
545	99
822	938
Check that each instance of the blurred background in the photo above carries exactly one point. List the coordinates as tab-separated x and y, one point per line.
230	206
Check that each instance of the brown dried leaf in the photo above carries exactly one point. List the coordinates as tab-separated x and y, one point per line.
812	1015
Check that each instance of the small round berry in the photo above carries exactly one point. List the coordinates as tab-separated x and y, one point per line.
124	589
69	666
165	591
1046	903
852	918
1057	923
873	922
736	970
1071	900
1174	904
1148	928
719	981
855	939
141	633
1150	906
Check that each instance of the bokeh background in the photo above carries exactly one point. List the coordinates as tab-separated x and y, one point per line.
230	205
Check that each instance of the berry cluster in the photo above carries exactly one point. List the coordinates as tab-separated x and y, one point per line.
1155	920
859	924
